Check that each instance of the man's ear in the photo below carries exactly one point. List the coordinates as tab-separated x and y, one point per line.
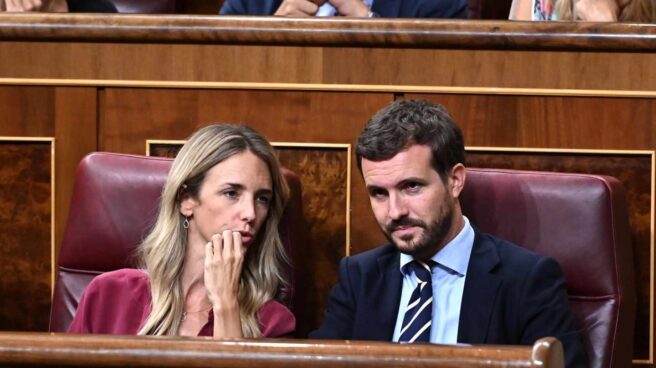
457	178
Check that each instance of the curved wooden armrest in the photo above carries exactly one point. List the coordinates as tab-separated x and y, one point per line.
67	350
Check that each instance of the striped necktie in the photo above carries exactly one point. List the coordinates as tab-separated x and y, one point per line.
417	317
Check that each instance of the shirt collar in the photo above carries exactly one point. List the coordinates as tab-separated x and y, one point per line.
455	255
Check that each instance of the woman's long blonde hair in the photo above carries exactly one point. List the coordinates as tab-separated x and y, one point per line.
638	11
162	252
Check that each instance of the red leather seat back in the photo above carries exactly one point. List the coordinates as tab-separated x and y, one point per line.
581	221
114	205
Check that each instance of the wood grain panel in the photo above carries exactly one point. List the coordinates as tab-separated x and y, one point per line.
25	235
108	61
552	122
75	130
323	173
490	68
331	31
27	111
635	172
354	66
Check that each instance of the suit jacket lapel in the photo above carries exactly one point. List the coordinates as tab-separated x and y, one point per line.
382	299
479	295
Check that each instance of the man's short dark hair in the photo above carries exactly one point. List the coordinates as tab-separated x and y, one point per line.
407	122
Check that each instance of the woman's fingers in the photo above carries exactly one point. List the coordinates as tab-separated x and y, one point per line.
223	265
209	254
217	243
237	243
226	246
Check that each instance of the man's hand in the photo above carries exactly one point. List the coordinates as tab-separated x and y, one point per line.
299	8
351	8
596	10
35	6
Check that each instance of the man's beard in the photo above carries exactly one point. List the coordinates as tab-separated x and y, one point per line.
431	239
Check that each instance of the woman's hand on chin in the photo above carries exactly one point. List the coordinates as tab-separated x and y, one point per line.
224	258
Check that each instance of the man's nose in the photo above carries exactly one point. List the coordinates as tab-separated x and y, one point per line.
397	207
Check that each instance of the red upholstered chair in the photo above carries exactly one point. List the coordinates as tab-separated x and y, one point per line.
581	221
114	204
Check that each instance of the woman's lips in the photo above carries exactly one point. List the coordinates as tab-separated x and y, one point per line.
246	237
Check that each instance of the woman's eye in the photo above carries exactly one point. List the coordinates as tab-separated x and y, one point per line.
231	193
264	200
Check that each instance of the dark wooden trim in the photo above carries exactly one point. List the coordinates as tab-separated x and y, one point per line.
62	350
400	33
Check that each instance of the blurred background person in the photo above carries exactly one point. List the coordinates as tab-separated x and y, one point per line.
58	6
349	8
640	11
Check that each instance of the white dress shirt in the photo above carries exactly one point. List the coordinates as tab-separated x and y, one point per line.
327	10
448	279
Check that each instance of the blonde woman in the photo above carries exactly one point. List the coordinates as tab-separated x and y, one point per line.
212	264
640	11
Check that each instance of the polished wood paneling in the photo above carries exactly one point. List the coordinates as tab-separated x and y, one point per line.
349	66
324	179
395	33
27	111
130	116
552	121
75	131
25	226
25	234
162	62
61	350
68	115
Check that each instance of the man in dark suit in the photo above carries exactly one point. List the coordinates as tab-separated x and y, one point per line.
349	8
440	280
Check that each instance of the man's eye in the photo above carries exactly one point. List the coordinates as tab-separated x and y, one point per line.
412	186
377	193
